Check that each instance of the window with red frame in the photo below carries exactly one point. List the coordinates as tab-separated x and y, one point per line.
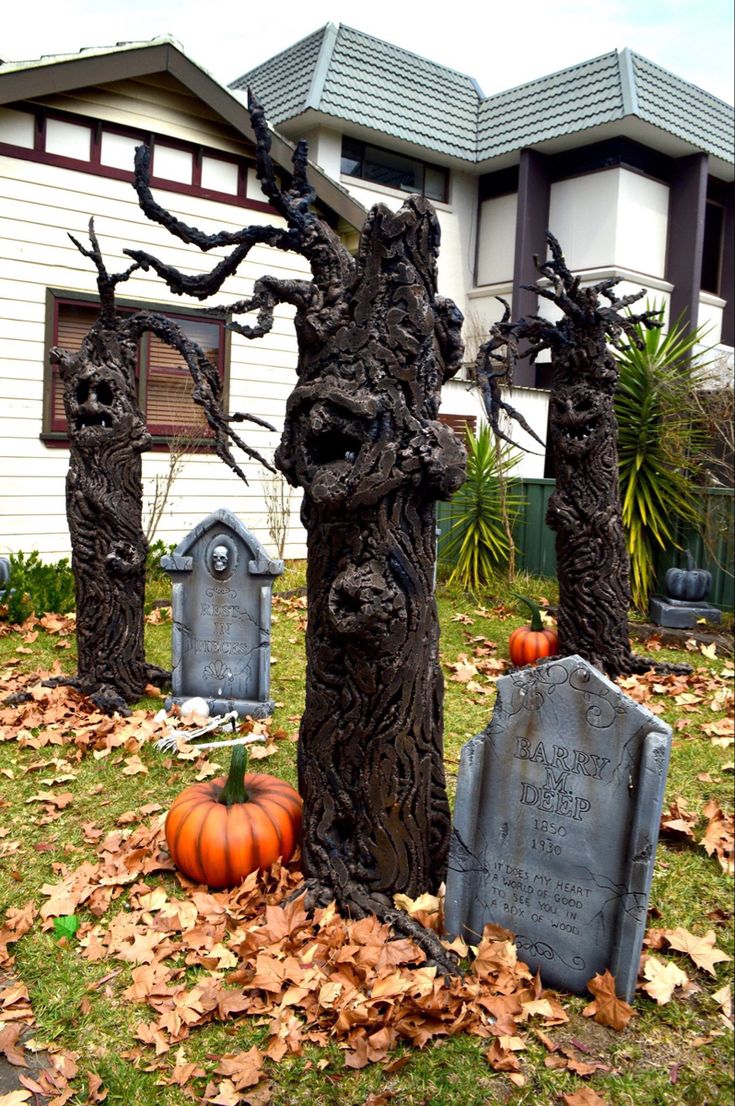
165	385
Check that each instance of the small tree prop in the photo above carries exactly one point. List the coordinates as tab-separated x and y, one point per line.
592	558
363	440
104	494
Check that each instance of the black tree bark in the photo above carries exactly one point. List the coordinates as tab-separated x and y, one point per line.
104	495
593	567
363	440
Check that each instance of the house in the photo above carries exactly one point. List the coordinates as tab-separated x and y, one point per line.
629	165
68	130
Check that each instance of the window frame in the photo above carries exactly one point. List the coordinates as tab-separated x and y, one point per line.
56	297
423	165
94	164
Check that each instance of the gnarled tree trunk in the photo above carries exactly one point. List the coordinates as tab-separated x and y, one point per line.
107	435
363	440
593	566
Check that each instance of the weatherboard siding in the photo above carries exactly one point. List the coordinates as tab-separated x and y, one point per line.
39	204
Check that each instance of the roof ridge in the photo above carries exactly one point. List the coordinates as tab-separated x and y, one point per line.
628	82
321	69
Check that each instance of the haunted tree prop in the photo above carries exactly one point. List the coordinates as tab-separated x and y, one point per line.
363	440
104	494
584	510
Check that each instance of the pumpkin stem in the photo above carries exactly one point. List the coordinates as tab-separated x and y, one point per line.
234	790
536	623
690	561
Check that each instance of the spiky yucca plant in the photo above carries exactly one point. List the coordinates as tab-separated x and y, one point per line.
660	440
477	542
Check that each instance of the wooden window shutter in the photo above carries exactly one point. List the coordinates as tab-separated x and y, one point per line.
170	411
73	321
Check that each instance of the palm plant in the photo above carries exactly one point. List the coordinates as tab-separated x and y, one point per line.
660	441
478	541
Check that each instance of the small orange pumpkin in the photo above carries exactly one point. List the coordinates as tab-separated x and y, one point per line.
531	643
221	830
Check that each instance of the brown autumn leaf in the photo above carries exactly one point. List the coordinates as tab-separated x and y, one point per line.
607	1009
678	819
584	1097
702	950
718	839
9	1046
463	669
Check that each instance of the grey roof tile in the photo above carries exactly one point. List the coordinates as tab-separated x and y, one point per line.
363	80
674	105
561	103
282	83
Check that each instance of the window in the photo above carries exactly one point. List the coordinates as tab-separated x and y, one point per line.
164	383
31	132
393	170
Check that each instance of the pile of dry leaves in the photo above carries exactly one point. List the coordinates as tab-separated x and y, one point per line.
190	957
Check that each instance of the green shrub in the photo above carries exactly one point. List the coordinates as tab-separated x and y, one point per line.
153	571
36	587
660	440
478	541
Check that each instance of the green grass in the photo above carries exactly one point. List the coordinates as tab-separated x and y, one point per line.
74	1010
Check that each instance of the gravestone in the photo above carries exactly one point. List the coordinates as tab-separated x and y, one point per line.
556	824
221	608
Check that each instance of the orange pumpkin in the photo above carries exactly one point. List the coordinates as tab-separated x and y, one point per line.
532	643
221	830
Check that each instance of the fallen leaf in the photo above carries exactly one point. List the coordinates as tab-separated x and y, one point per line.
585	1097
702	950
607	1009
662	979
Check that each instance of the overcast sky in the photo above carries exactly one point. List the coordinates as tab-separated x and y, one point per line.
500	45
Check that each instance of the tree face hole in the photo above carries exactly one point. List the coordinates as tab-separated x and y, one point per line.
335	445
104	393
82	392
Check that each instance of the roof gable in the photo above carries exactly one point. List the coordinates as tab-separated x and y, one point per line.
138	61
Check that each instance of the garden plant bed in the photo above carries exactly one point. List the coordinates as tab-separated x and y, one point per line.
167	993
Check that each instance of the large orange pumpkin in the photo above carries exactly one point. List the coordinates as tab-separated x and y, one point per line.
221	830
532	643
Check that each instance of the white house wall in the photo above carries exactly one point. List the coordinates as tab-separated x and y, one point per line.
39	204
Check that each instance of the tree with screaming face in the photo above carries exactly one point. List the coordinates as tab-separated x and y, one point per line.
363	440
584	510
104	493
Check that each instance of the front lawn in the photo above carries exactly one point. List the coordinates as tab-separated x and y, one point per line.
163	993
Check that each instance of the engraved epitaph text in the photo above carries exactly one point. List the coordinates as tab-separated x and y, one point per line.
556	823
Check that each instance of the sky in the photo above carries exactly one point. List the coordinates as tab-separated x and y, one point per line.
500	45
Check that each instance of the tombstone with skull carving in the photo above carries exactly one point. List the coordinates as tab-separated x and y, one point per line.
222	582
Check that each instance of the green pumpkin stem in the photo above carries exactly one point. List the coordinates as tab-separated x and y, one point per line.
690	561
234	790
536	623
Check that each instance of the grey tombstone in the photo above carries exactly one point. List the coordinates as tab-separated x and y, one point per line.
556	824
221	607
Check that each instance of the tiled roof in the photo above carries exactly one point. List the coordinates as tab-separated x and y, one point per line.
282	83
583	96
365	81
357	78
674	105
